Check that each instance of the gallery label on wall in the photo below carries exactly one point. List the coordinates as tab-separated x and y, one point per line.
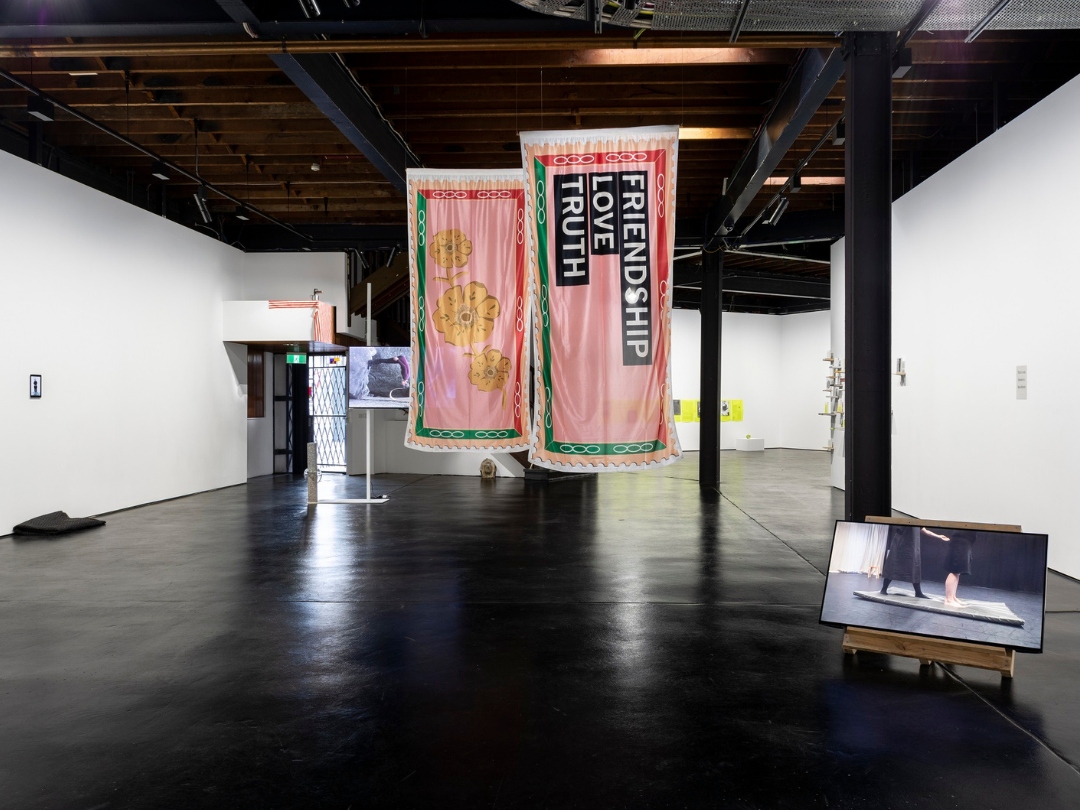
470	310
602	226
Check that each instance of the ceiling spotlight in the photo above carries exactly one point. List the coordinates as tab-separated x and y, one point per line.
40	109
315	166
310	8
901	63
160	170
778	212
839	134
200	203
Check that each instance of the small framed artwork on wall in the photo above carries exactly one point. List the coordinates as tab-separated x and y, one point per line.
35	386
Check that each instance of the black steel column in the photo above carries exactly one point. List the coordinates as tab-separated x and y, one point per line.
300	420
868	275
712	287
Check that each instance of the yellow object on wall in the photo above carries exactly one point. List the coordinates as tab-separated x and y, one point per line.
687	410
731	410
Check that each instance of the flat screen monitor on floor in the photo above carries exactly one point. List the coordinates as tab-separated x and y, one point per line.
379	377
977	586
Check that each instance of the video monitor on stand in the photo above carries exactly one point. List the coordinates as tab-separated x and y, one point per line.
379	377
966	585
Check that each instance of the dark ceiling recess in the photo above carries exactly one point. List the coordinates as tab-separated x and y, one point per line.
453	84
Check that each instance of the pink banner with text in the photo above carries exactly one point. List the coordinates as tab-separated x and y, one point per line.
602	235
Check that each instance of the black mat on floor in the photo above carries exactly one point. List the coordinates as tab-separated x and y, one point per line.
56	523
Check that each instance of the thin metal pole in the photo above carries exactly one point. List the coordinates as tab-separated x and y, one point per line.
370	413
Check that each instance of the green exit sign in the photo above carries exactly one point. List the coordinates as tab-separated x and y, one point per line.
296	359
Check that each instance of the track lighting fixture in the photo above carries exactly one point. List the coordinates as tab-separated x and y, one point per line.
200	203
310	8
839	134
315	166
781	207
40	109
901	63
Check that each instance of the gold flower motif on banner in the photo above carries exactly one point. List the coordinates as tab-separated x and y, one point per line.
466	316
451	248
490	370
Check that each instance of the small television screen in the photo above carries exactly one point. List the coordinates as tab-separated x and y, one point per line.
379	377
985	587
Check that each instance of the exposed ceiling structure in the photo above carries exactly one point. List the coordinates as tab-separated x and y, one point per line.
303	115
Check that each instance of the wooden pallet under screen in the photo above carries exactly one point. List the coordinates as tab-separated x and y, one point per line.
928	650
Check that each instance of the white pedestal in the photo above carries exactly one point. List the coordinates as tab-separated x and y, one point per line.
750	445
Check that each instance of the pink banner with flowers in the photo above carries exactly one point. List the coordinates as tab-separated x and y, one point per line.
601	213
470	309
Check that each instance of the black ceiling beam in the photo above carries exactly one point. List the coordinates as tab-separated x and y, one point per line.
739	302
793	287
927	8
296	29
812	78
331	87
798	227
795	308
749	282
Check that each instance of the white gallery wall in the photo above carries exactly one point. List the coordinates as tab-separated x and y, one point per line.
804	343
985	276
119	310
771	362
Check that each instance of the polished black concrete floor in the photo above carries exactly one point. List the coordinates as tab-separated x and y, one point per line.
615	642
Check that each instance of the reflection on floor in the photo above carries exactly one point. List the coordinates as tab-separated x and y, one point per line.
620	641
972	609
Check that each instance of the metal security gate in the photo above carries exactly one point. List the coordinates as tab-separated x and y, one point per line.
328	377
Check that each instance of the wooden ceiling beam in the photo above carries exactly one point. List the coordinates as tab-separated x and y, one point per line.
157	96
378	76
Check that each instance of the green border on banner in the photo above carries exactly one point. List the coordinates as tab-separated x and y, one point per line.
542	305
550	444
421	332
421	305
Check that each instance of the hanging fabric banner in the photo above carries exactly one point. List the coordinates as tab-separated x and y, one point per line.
602	235
470	310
